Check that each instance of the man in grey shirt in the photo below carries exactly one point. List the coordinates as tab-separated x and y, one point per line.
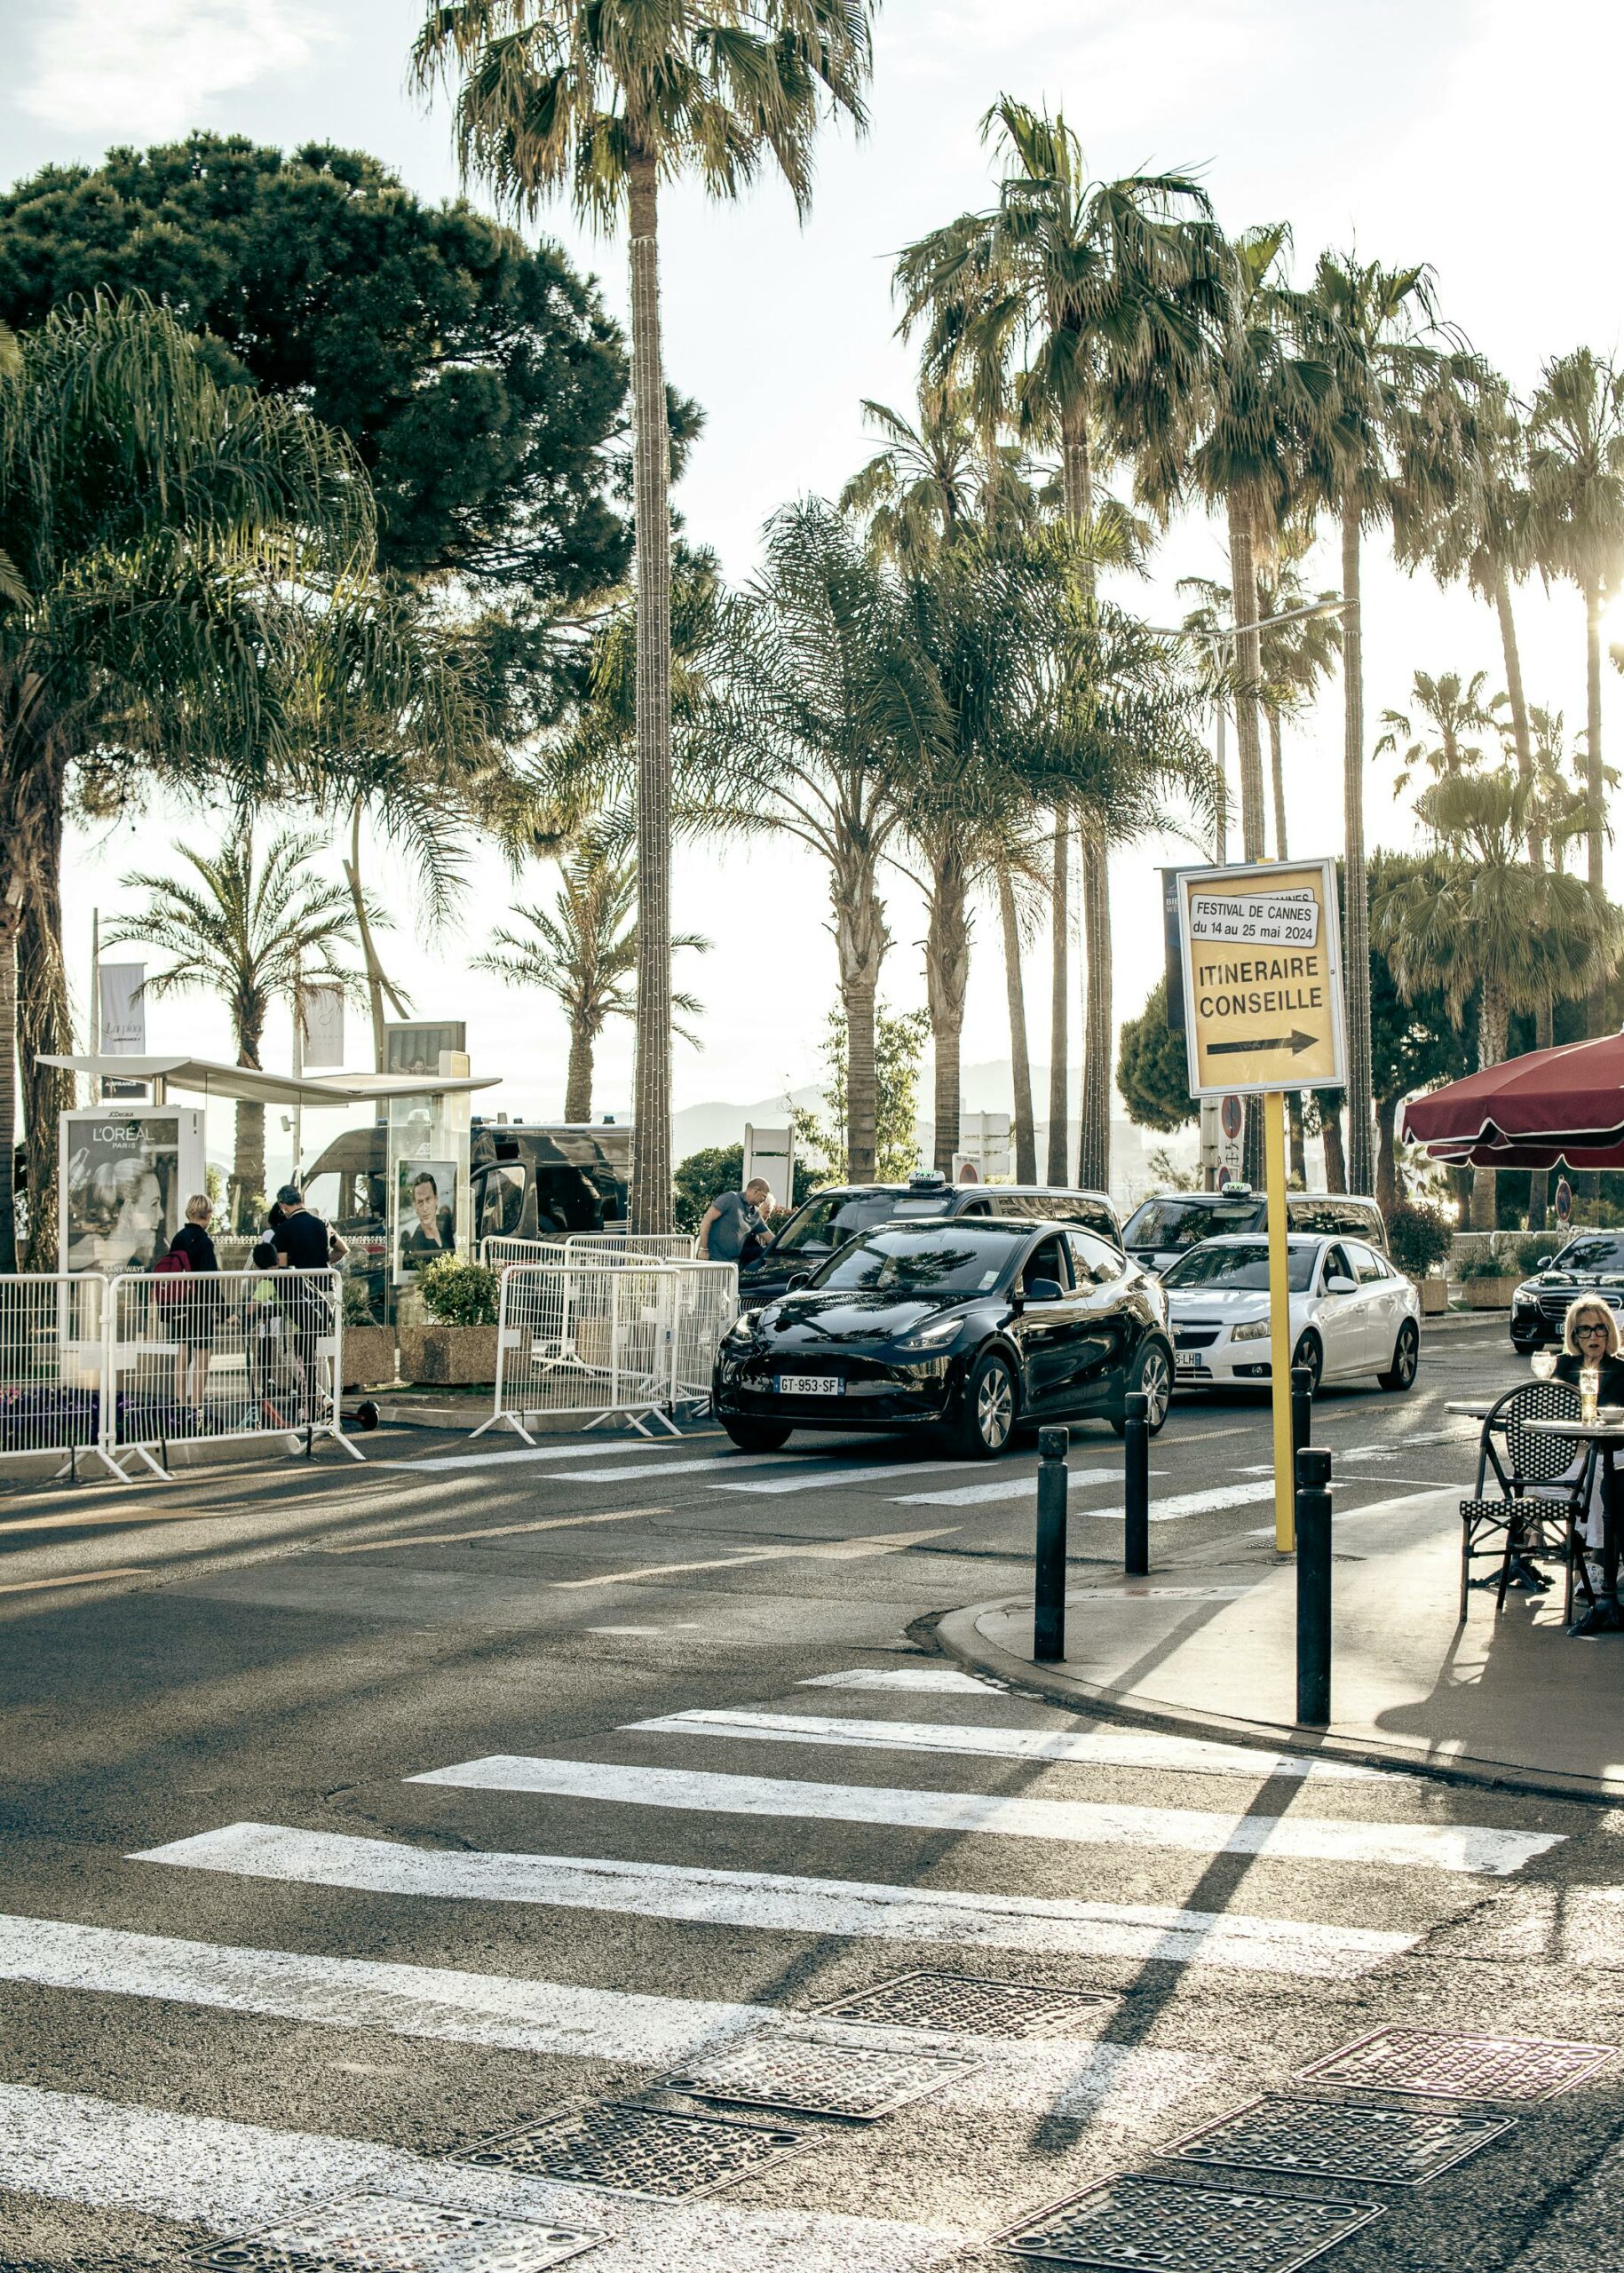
731	1219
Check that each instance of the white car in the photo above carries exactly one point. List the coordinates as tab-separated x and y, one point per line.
1352	1313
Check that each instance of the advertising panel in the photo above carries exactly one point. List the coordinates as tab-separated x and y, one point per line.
126	1176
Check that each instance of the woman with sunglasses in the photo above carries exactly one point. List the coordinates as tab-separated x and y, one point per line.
1590	1337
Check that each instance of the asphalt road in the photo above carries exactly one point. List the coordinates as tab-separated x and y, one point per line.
356	1817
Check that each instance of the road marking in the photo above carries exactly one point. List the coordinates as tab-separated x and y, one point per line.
1163	1594
1008	1487
702	1467
491	1531
200	2169
674	1626
941	1677
1139	1931
78	1578
1194	1503
1098	1748
1086	1823
606	1448
836	1550
811	1480
551	2017
1205	1436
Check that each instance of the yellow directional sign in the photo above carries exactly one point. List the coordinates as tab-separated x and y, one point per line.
1262	976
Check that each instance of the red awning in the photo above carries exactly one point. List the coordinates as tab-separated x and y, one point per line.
1532	1112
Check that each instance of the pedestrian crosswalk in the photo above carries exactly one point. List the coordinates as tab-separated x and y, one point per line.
609	1935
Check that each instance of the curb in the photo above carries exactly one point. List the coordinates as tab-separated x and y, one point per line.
958	1632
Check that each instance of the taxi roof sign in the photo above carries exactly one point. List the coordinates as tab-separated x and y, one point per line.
1262	976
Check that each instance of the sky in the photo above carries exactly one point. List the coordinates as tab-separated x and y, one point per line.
1469	134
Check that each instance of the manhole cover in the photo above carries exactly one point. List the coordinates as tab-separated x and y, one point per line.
1462	2067
387	2233
638	2149
1394	2146
970	2006
1155	2226
818	2076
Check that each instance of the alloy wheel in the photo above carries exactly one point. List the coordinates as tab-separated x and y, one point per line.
995	1407
1157	1387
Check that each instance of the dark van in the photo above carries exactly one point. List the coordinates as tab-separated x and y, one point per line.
1168	1224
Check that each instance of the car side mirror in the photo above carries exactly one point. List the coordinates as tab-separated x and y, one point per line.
1340	1286
799	1279
1045	1290
1544	1262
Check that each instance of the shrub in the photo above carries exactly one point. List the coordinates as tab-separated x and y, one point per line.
1419	1237
458	1293
1490	1266
1532	1251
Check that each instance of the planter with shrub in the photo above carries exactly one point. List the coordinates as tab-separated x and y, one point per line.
1418	1237
459	1348
1489	1281
369	1348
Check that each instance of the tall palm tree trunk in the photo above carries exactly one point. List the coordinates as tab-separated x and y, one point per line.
1277	768
1387	1161
1094	1142
1594	789
45	1026
1059	927
374	975
1539	1179
1515	696
860	941
1335	1158
1492	1023
1355	931
10	916
1020	1056
1249	670
651	1199
578	1077
1297	1144
946	983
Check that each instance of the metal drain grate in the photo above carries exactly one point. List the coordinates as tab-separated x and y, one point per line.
1462	2067
1156	2226
637	2151
388	2233
1391	2146
818	2076
967	2006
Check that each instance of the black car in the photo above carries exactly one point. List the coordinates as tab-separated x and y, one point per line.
971	1326
830	1217
1592	1262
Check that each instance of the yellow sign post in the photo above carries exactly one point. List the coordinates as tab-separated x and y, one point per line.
1262	952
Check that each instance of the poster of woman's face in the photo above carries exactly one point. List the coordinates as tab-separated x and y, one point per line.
124	1193
425	1212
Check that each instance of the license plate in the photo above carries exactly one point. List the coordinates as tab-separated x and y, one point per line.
808	1385
1189	1361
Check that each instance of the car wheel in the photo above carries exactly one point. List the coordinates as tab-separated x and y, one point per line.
758	1435
990	1402
1309	1353
1153	1377
1406	1357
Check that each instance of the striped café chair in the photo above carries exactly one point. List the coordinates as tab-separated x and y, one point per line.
1535	1510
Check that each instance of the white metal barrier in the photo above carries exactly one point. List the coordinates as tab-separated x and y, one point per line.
219	1355
497	1253
601	1339
53	1364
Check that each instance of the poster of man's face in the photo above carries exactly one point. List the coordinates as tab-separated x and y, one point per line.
425	1212
124	1193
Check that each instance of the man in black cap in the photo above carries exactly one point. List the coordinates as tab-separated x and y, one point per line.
304	1242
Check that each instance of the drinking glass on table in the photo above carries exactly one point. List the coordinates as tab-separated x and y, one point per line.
1544	1364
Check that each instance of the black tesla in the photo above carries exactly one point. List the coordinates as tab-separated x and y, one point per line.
972	1328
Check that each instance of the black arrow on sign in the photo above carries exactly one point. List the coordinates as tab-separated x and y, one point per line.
1297	1041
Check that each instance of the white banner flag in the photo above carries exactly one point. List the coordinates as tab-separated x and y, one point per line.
123	1009
323	1026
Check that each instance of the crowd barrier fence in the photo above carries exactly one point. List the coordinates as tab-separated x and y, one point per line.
53	1366
609	1246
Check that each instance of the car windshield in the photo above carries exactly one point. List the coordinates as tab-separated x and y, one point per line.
1164	1223
968	1259
831	1218
1242	1269
1592	1251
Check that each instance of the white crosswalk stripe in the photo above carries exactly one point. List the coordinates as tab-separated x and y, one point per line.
811	1479
1004	1487
228	2177
1423	1846
557	2018
1113	1747
946	1678
1140	1931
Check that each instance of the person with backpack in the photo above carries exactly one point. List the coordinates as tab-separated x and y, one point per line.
304	1242
735	1227
195	1309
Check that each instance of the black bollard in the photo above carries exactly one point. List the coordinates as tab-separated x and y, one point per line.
1136	1485
1313	1587
1302	1412
1049	1577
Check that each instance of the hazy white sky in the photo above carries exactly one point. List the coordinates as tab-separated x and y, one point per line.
1475	134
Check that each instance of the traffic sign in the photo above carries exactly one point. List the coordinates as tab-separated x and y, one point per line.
1232	1117
1262	976
1564	1199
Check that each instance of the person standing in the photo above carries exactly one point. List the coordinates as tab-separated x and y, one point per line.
304	1242
199	1306
735	1220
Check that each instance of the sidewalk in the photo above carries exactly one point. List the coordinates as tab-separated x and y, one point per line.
1208	1648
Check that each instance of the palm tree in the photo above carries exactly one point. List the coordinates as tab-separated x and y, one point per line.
1012	933
919	491
1100	289
253	934
1484	921
584	954
1379	333
601	99
1576	476
1453	711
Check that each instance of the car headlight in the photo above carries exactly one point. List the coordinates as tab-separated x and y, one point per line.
743	1327
931	1336
1254	1330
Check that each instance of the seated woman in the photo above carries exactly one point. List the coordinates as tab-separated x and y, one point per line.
1590	1337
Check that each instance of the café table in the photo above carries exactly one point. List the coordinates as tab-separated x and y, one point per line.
1606	1433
